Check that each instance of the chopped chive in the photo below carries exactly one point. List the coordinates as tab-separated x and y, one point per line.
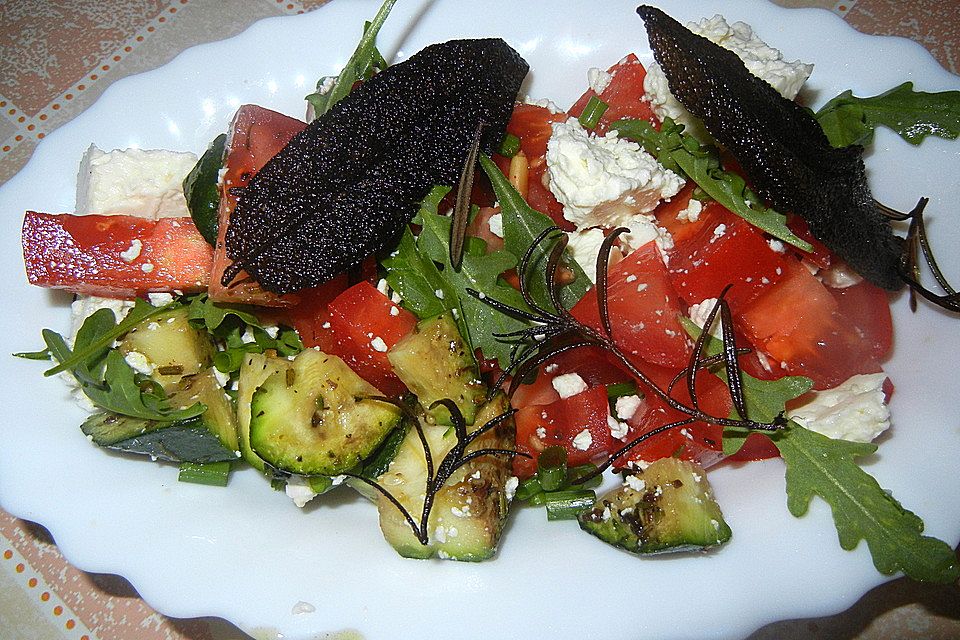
528	489
567	505
552	468
620	389
214	474
590	117
509	146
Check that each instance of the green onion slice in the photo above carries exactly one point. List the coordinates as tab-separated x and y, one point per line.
590	117
567	505
552	468
509	146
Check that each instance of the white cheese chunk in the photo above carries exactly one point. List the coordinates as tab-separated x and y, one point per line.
584	246
761	60
855	410
569	384
598	79
627	406
699	313
583	440
137	182
299	491
604	181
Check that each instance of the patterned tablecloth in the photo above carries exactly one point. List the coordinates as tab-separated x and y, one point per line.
58	56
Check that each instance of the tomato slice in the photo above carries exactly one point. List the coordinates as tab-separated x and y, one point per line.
257	134
559	424
643	307
624	95
363	324
725	250
799	323
866	307
114	256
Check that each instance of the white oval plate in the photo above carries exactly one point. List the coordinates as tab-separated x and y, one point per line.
246	553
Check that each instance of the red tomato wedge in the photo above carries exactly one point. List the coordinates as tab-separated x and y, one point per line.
799	323
624	95
256	135
723	250
363	324
559	424
115	256
643	309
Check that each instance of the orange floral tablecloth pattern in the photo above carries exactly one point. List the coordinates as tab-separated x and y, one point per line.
58	56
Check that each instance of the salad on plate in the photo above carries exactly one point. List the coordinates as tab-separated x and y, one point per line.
456	299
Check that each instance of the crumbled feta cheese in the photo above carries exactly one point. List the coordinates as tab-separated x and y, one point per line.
635	483
140	363
583	440
379	345
584	246
439	293
495	222
604	181
510	488
271	330
598	79
299	490
569	384
855	410
147	267
626	406
618	429
699	313
160	299
137	182
84	306
643	228
691	213
761	60
776	245
132	252
549	105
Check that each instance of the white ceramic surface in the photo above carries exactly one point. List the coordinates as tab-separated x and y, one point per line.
247	554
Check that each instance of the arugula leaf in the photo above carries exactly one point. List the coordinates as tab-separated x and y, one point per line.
914	115
765	399
521	226
118	389
479	271
212	315
86	350
862	510
416	277
683	153
818	465
358	66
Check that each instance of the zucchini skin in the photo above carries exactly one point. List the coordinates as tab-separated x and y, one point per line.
315	416
667	507
469	511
